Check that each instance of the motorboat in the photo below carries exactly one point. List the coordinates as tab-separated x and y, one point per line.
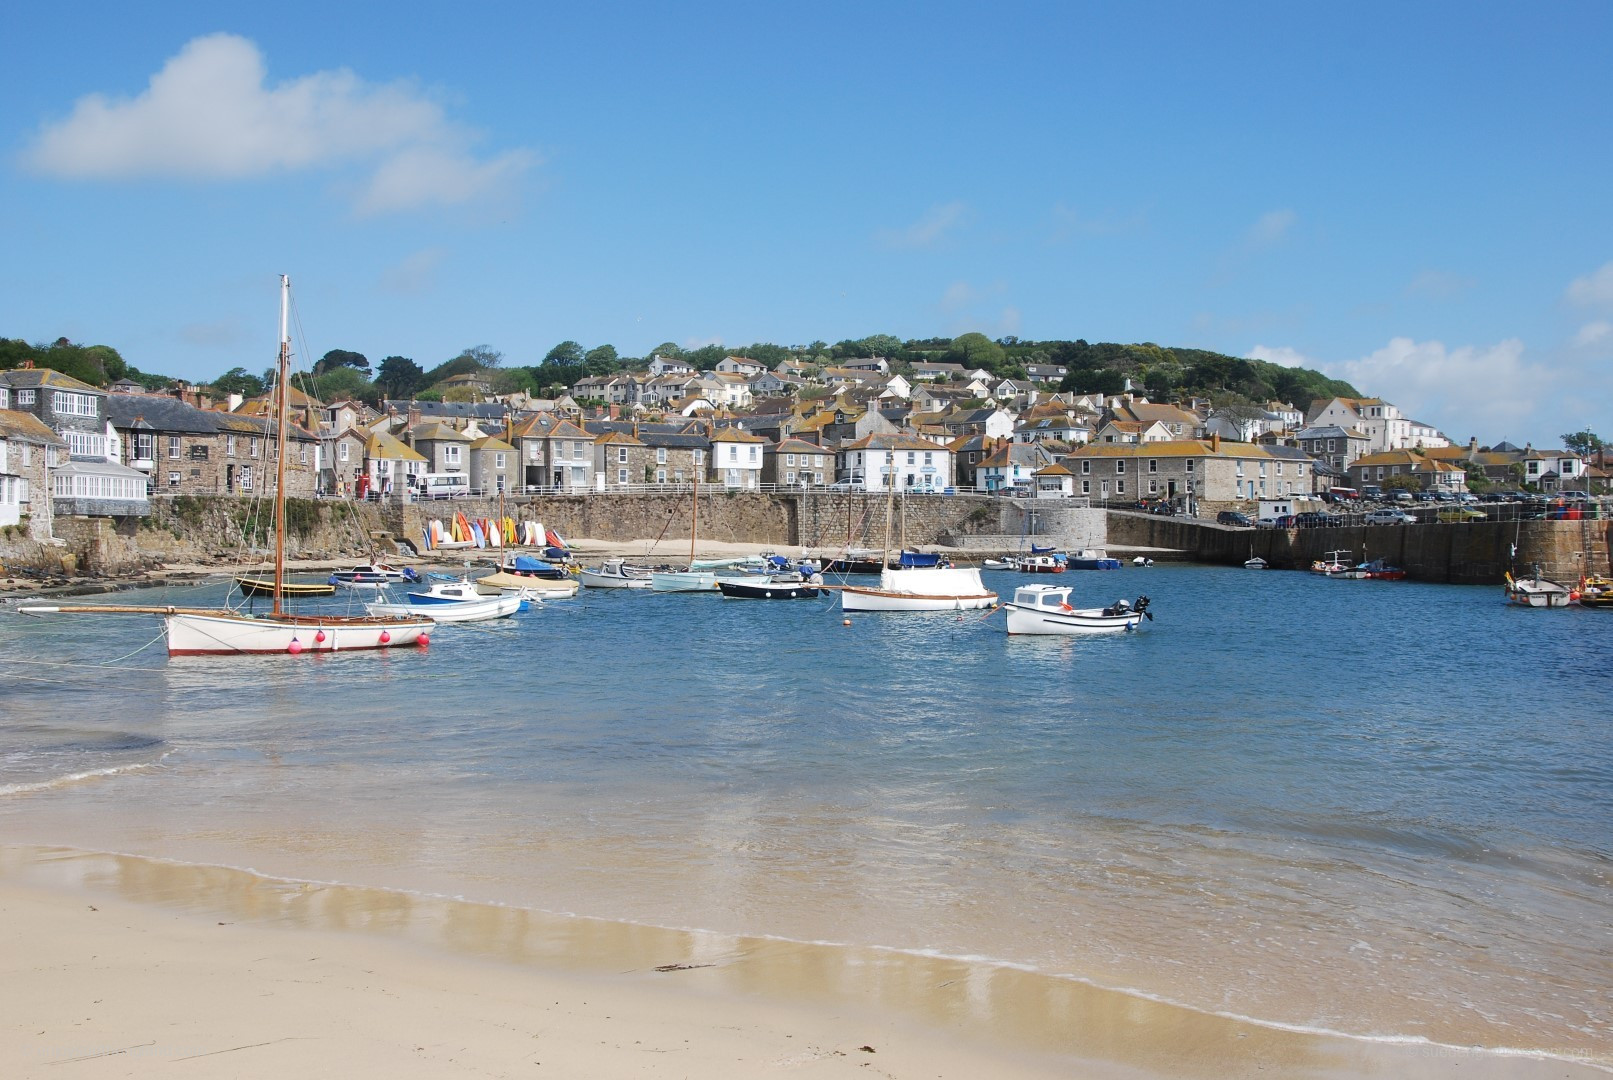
1088	559
684	581
1046	609
616	574
472	608
1536	592
999	564
1255	562
774	587
372	576
533	587
1332	566
1596	591
1041	564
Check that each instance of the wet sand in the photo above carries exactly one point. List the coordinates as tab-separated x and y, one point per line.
113	965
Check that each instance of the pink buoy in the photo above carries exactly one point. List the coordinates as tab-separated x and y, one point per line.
319	635
386	636
295	647
423	640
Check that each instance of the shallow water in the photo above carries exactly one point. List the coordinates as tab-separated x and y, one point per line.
1380	808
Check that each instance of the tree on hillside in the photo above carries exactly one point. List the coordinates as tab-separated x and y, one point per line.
342	358
398	377
238	381
483	356
567	354
344	383
1584	443
706	357
1094	381
601	360
975	350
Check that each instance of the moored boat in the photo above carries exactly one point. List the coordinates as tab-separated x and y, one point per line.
776	587
1087	559
924	589
1046	609
471	607
615	574
1596	591
1536	592
257	586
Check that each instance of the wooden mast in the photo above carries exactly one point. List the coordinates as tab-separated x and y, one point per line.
694	509
283	365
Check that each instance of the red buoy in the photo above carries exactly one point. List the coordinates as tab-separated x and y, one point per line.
295	647
386	636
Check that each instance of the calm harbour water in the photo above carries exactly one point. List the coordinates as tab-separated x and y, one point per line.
1378	808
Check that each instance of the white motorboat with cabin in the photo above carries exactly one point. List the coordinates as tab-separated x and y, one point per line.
1046	609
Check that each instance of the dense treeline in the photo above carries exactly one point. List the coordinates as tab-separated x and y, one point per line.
1161	373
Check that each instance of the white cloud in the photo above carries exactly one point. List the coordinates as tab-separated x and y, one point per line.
1068	223
414	274
1594	289
1270	230
929	230
1439	285
959	294
208	115
1591	333
1468	390
1283	355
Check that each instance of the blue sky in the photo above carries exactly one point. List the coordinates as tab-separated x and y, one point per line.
1414	197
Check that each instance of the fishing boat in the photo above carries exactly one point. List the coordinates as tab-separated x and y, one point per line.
917	588
1088	559
1041	564
1376	570
258	586
199	631
615	574
1332	566
1255	562
1536	591
1596	591
1046	609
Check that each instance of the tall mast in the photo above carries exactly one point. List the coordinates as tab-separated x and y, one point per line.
282	370
694	509
890	507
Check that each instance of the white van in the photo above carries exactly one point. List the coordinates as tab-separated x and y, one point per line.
439	485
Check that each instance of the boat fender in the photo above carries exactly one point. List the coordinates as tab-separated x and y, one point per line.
1066	607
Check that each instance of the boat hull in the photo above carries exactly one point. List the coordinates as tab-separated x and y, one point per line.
683	581
197	634
265	587
542	588
921	589
1077	621
594	579
768	590
479	610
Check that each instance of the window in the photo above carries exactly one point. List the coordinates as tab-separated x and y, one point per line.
789	477
1086	468
621	476
912	458
173	479
173	446
143	447
699	457
246	478
498	460
302	453
1153	487
733	453
621	454
789	459
85	444
1120	470
252	446
576	449
25	397
1153	466
229	446
69	404
660	455
1279	468
660	476
1189	466
1120	487
1086	487
450	455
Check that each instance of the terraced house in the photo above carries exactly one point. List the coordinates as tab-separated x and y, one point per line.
90	483
1209	471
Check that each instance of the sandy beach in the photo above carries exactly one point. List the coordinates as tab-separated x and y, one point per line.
121	966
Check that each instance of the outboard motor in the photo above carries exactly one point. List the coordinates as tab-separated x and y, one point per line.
1141	608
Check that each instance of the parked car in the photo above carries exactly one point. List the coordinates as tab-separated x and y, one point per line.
1232	517
1575	496
1423	496
1371	491
1401	496
1314	519
849	483
1444	496
1388	516
1466	498
1495	497
1281	521
1461	513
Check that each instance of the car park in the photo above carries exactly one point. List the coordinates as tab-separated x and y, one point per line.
1575	496
1467	498
1401	496
1232	517
1387	516
1281	521
1444	496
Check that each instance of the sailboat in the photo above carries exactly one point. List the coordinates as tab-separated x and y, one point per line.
916	588
200	631
694	579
